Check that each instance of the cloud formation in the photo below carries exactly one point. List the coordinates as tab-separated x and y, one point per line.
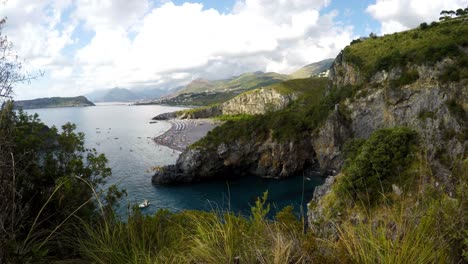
89	44
399	15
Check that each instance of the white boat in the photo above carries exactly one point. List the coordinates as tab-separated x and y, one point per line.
144	204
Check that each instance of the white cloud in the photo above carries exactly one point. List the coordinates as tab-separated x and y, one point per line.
399	15
135	43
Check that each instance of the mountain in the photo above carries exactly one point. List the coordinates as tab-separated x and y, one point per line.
313	69
126	95
53	102
205	92
246	81
421	88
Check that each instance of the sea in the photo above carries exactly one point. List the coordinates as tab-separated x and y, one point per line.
125	135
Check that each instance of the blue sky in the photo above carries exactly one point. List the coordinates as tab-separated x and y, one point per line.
88	45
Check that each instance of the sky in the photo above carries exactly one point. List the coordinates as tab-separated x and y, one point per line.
87	45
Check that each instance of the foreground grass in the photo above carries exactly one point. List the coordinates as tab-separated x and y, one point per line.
427	228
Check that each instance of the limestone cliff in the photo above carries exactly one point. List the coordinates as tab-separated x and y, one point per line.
269	159
256	102
424	105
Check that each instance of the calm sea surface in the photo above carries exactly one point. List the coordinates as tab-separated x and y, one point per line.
123	133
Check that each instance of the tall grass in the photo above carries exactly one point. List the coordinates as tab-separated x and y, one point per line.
397	238
193	237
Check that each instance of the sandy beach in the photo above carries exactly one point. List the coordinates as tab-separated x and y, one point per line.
185	132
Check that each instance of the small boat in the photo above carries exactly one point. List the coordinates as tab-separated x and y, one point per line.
144	204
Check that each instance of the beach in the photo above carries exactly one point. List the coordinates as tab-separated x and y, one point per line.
185	132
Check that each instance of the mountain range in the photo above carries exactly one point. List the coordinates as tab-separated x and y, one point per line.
202	91
126	95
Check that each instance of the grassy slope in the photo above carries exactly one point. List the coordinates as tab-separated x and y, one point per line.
416	46
204	92
300	117
423	225
312	69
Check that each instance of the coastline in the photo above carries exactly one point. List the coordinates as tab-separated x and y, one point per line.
184	132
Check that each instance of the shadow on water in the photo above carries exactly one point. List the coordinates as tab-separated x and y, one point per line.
123	133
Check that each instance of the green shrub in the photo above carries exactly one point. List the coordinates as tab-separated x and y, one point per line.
423	26
408	77
449	74
456	109
400	49
424	114
379	162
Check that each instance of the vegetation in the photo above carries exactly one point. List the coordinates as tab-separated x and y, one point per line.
49	182
374	165
53	102
424	45
198	237
53	208
204	92
300	118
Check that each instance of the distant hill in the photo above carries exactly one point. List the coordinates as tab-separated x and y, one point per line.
246	81
204	92
125	95
53	102
313	69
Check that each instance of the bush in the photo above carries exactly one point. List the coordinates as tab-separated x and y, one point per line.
408	77
48	186
449	74
423	25
379	162
456	109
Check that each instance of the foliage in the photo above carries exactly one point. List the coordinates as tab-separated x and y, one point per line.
381	161
204	92
407	77
53	102
433	43
456	109
49	180
194	237
301	118
397	238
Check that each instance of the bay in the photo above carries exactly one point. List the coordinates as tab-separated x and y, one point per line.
124	134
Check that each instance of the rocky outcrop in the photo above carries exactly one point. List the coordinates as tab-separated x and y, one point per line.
423	105
344	73
329	141
268	159
165	116
256	102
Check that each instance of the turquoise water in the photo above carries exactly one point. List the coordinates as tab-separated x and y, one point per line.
123	133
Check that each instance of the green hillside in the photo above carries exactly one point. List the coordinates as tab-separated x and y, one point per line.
312	69
426	44
203	92
301	116
53	102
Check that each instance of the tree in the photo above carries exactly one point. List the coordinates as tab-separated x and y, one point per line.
49	182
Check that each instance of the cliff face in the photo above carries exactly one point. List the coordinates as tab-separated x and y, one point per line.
425	105
422	105
269	159
256	102
382	100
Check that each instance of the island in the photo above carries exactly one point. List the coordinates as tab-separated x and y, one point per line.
54	102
